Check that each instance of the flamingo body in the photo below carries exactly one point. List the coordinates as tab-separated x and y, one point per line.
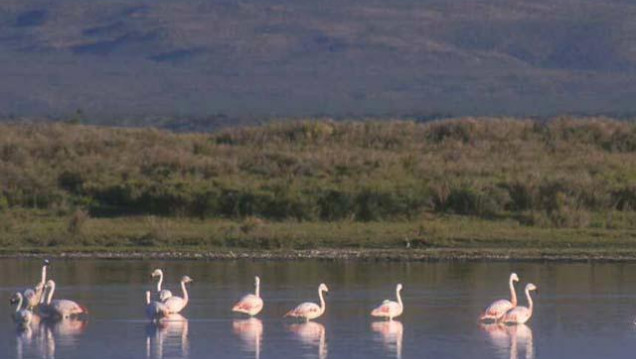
308	310
390	309
498	308
59	308
250	304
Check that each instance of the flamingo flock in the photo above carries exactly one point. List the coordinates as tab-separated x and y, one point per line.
507	311
37	303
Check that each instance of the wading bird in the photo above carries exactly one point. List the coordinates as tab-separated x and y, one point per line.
498	308
176	304
520	314
59	308
309	310
390	309
250	304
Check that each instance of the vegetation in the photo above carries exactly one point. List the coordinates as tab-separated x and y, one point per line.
308	184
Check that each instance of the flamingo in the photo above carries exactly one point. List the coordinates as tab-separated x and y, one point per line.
155	310
250	304
163	294
34	296
390	309
498	308
176	304
21	315
520	314
59	308
310	310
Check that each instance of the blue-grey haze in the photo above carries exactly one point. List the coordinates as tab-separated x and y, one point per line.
263	58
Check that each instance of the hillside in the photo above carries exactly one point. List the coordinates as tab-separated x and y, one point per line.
116	60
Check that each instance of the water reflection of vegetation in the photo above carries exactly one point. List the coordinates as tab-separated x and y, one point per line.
436	184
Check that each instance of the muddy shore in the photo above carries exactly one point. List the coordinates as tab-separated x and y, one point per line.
405	255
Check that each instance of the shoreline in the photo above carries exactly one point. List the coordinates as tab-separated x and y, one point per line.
363	255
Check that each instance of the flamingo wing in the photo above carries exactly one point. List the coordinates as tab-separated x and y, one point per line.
497	309
175	304
249	304
386	309
517	315
304	310
65	307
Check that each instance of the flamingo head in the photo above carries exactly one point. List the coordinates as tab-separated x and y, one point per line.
49	283
399	287
186	279
514	277
156	273
323	288
15	298
531	286
29	293
46	263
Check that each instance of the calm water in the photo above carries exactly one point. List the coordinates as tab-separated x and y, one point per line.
582	311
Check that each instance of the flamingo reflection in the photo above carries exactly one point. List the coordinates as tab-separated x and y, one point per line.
251	333
42	337
391	334
170	332
311	334
511	340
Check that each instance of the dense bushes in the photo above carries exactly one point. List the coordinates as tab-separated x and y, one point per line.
545	173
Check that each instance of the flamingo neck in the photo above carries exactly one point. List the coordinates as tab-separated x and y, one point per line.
147	297
399	297
530	304
17	309
257	292
513	293
160	281
322	301
185	292
50	295
43	279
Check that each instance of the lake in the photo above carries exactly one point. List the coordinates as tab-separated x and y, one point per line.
581	310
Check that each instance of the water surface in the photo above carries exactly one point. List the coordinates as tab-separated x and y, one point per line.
582	311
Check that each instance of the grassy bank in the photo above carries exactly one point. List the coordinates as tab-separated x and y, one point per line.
468	185
429	238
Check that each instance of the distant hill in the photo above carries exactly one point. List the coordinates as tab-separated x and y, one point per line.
260	59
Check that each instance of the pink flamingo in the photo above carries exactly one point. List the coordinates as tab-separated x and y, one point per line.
390	309
176	304
250	304
59	308
520	314
310	310
33	297
498	308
